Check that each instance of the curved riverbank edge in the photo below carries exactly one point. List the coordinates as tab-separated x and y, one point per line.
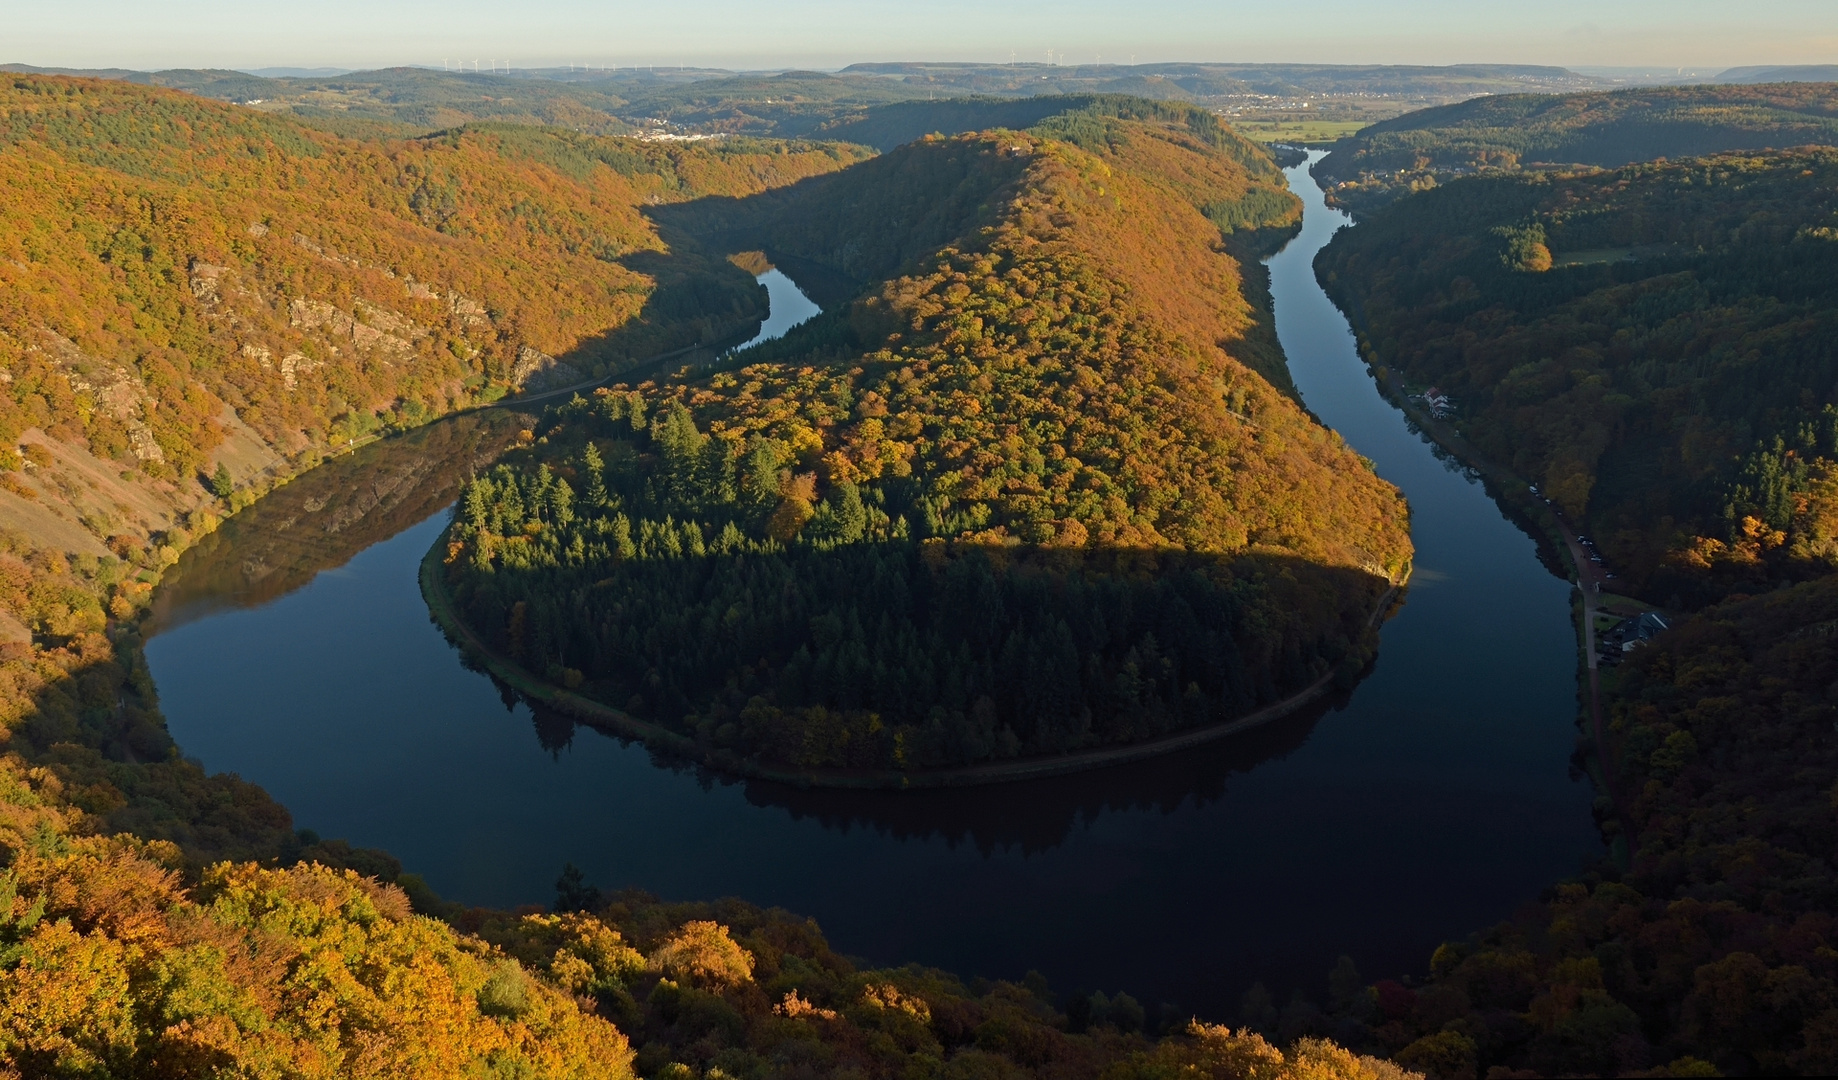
598	715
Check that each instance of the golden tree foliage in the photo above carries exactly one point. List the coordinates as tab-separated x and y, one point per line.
702	951
1216	1052
1071	367
111	966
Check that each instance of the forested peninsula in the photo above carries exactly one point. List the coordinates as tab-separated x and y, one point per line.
1652	348
1026	493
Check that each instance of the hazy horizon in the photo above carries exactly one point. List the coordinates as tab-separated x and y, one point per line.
829	34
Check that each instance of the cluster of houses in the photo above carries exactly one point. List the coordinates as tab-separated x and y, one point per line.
1437	402
1627	635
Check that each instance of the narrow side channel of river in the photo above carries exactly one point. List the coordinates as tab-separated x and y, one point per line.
1432	801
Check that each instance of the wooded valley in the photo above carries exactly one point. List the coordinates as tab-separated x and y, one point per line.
1036	482
201	301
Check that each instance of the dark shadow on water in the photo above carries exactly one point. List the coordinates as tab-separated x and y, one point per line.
885	656
1038	815
1029	816
320	520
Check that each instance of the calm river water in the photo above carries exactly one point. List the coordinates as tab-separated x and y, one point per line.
1431	802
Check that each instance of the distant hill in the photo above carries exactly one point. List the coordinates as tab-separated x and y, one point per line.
1524	131
612	101
888	126
1201	81
298	72
1788	73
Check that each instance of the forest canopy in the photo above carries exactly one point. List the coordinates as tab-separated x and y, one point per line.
1664	371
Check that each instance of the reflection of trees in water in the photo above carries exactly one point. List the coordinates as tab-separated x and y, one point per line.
1032	815
1510	508
324	517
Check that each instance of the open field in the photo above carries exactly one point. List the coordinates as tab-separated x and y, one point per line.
1308	131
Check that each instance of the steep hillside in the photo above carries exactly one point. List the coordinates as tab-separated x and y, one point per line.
1651	346
1509	132
1086	519
180	277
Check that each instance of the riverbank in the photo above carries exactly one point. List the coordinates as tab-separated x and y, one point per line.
618	722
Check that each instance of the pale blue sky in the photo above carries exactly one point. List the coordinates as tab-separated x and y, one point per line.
830	33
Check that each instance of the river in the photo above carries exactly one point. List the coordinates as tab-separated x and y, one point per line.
1431	801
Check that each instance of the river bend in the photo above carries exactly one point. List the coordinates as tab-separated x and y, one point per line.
1431	801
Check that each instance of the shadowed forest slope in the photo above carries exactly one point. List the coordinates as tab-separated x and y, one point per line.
1653	347
1509	132
1088	521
